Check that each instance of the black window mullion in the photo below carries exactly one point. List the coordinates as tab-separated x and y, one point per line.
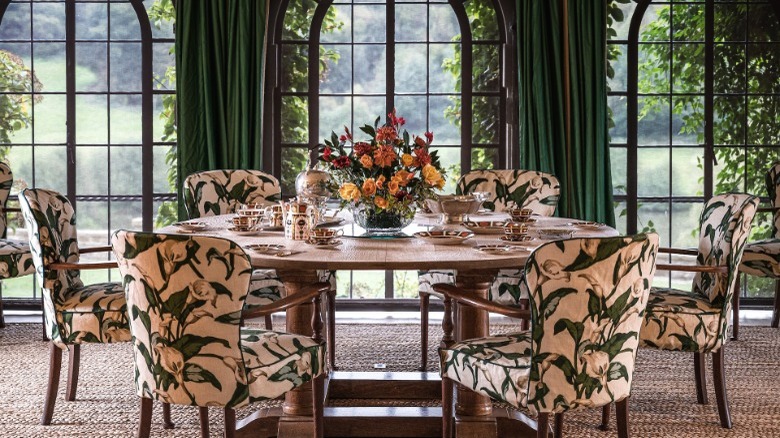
70	97
709	74
389	64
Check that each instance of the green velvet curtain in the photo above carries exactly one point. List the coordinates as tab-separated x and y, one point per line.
220	47
569	141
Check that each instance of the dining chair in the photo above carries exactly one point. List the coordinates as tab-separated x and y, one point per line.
74	313
216	192
696	321
508	189
15	257
587	298
186	296
762	258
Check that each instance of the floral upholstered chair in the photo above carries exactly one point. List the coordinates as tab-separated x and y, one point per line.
587	299
15	257
73	313
762	258
188	342
696	321
216	192
508	189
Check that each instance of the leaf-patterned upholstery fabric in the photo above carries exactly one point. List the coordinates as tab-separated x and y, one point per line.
587	301
15	257
185	295
509	189
216	192
73	313
762	258
696	321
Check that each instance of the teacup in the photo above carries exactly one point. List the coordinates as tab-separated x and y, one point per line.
275	216
244	222
519	214
324	235
515	229
251	210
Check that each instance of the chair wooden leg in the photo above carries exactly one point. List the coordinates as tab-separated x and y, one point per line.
446	407
331	321
558	432
605	417
700	373
44	336
2	318
167	423
525	324
776	312
621	415
204	422
145	420
74	358
55	363
424	303
719	379
318	401
542	425
735	310
230	423
269	322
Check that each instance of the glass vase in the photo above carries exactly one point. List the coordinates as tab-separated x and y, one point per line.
383	223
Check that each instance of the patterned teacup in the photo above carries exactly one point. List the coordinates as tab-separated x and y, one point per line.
324	235
244	222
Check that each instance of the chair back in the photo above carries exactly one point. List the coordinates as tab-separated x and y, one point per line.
773	190
51	228
184	296
588	298
513	189
6	181
215	192
724	228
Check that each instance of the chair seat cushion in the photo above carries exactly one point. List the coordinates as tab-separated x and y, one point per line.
762	258
507	289
15	259
681	320
265	287
495	366
95	313
278	362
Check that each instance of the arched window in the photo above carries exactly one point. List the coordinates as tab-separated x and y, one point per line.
695	99
81	89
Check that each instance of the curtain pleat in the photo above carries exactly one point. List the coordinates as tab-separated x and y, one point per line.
582	166
220	49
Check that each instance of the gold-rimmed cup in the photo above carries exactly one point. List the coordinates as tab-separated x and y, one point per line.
521	214
516	229
244	222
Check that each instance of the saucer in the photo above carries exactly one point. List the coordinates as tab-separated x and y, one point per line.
485	227
444	237
332	243
493	248
265	248
244	231
587	224
191	226
270	228
516	238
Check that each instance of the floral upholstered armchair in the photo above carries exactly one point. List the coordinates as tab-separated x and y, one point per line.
509	189
696	321
73	313
188	343
587	298
762	258
15	257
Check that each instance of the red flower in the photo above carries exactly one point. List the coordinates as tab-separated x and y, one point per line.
343	137
429	136
342	162
423	157
386	133
401	194
326	153
361	148
348	134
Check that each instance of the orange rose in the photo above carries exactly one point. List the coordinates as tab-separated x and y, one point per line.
392	187
380	202
369	187
407	159
380	182
432	176
403	177
366	161
349	192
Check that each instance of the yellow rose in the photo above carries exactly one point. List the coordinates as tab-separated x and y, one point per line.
380	202
369	187
380	182
366	161
402	177
392	187
349	192
432	176
407	159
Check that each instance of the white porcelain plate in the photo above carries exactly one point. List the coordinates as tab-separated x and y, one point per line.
493	248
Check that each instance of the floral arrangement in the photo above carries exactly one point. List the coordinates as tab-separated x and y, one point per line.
388	174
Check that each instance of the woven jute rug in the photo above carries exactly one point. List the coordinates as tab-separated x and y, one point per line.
663	402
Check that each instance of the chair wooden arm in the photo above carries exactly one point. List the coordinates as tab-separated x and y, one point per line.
307	294
692	268
479	302
767	209
91	249
679	251
83	266
10	210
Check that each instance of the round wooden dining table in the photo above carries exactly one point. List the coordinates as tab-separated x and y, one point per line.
298	266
